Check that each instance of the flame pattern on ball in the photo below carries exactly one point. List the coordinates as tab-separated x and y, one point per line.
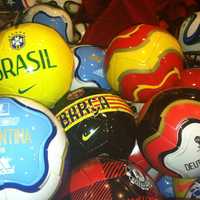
142	61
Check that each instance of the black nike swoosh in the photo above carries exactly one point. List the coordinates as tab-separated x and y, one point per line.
22	91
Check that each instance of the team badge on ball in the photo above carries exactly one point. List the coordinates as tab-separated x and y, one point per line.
30	64
17	40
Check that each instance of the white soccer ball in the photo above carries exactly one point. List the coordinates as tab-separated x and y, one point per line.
33	149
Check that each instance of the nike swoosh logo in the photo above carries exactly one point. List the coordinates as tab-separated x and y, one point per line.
22	91
86	137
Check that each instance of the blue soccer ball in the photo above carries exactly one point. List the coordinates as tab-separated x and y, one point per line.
89	70
53	17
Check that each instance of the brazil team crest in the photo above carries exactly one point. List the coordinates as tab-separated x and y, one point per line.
17	40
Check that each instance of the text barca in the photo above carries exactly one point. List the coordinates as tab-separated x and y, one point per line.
35	59
83	108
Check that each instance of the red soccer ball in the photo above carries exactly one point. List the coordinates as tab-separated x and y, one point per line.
103	178
169	132
142	61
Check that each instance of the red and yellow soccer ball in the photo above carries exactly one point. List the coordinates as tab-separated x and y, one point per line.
142	61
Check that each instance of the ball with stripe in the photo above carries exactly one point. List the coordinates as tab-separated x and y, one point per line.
142	61
103	178
96	121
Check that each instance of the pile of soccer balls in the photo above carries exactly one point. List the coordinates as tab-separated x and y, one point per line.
82	122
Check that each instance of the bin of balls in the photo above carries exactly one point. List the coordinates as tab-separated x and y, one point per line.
81	121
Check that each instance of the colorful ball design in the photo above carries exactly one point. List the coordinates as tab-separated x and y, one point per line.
142	61
169	127
186	188
88	69
35	62
103	177
53	17
30	165
189	39
96	121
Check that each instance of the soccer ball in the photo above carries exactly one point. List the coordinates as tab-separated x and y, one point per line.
186	188
88	70
37	66
189	39
96	121
71	6
169	127
33	150
51	16
103	177
142	61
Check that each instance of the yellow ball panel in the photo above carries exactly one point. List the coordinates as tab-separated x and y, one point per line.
143	58
35	62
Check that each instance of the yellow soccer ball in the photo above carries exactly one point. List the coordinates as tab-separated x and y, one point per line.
35	62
